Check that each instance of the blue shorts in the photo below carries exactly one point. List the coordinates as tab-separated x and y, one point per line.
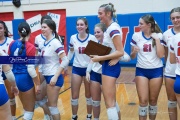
94	76
3	75
24	82
59	82
113	71
174	78
79	71
3	95
149	73
177	84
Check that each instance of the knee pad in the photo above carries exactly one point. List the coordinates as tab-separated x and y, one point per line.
89	101
28	115
74	102
95	103
42	102
117	107
12	101
143	111
54	110
152	110
172	104
112	113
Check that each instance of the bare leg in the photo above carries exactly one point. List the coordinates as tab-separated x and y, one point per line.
172	109
88	96
53	94
76	81
95	88
142	86
155	87
5	111
12	98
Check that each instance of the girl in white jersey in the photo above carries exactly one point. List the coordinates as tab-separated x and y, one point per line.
112	38
5	41
78	43
52	50
41	99
169	72
149	68
5	110
175	58
94	71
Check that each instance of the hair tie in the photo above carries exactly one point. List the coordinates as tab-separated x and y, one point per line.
23	30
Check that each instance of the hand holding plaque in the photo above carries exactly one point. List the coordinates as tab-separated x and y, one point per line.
94	48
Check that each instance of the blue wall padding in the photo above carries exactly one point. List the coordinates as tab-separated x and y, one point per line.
15	24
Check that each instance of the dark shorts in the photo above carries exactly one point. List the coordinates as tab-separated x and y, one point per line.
174	78
177	84
3	75
24	82
3	95
149	73
113	71
94	76
59	82
79	71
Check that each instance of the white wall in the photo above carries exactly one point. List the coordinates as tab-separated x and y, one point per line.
90	7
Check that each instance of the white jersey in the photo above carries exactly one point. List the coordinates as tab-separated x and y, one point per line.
97	67
175	48
51	49
113	30
146	57
80	59
39	43
2	53
169	68
5	45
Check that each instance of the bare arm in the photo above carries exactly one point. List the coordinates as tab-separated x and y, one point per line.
64	64
172	58
134	51
160	49
166	53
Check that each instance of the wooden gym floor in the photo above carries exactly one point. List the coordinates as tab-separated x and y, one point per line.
126	97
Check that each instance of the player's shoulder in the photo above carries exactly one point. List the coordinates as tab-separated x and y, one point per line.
177	36
9	39
167	32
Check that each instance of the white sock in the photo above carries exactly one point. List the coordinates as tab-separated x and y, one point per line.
112	113
13	117
73	116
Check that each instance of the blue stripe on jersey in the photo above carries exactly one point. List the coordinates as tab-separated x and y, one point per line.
70	45
132	41
171	48
114	32
59	49
43	37
3	42
172	30
162	41
82	40
36	45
